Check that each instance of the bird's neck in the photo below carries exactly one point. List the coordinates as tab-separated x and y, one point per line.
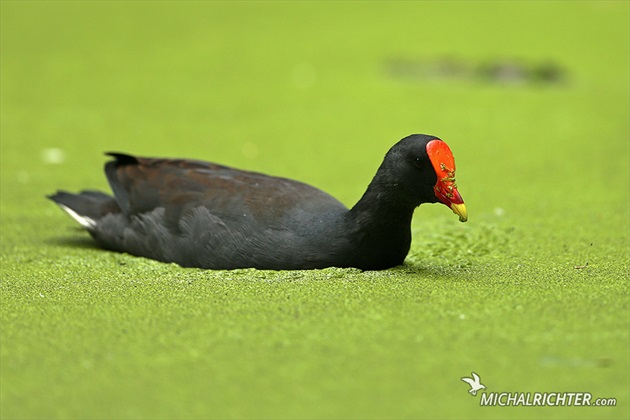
382	209
382	226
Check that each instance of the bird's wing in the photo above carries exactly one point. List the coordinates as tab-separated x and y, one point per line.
144	184
469	381
475	377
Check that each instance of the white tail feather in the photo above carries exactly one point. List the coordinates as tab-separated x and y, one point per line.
84	221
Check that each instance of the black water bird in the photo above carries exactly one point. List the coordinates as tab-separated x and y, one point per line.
200	214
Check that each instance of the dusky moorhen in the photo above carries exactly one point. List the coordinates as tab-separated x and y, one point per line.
200	214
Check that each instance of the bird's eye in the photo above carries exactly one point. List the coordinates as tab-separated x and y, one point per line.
417	162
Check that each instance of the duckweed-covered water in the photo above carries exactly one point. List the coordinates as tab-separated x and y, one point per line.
531	294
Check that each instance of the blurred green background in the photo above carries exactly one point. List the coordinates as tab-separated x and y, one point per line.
533	99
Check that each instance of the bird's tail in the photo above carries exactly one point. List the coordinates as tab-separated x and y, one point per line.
86	207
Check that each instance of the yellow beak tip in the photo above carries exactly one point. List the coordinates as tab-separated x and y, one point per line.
460	210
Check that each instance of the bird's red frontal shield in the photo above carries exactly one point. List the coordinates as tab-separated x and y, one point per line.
445	188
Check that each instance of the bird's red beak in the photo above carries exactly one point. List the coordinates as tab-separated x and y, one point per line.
445	188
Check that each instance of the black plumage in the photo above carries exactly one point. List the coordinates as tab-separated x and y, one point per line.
201	214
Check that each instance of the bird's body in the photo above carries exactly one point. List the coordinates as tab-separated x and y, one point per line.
200	214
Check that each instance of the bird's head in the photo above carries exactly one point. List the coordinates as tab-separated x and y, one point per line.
426	167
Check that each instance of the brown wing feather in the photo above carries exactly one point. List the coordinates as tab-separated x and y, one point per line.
143	184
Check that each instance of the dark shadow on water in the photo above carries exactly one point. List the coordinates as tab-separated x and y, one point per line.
432	271
73	242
